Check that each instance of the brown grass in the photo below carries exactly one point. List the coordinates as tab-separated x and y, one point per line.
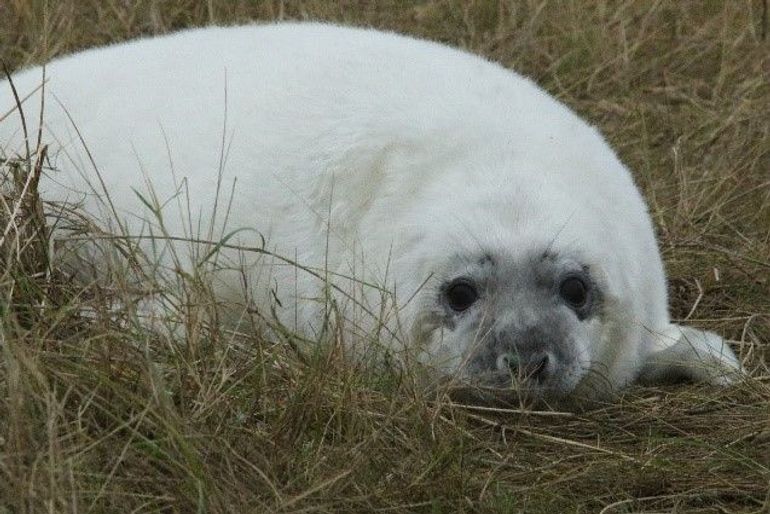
99	414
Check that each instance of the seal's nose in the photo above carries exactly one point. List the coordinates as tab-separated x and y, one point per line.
526	367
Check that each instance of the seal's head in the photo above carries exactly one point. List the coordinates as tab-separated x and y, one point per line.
527	324
538	287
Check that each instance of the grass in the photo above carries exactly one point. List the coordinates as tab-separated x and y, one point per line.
98	414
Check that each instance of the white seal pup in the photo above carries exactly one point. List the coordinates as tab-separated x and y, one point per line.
513	240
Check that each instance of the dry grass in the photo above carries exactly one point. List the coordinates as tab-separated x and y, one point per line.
99	414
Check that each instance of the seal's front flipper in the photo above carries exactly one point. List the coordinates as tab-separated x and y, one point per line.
686	354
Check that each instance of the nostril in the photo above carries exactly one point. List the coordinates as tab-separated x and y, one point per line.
536	368
508	362
539	369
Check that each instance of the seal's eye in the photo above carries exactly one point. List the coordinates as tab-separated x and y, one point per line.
461	294
574	291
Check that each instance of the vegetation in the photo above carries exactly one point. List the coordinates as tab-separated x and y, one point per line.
100	414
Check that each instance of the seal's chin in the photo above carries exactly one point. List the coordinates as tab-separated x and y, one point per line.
506	389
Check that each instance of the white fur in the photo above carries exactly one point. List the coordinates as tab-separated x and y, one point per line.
360	152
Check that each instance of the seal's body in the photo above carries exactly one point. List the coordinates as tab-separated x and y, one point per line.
470	213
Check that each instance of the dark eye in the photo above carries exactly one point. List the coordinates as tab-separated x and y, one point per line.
461	294
574	291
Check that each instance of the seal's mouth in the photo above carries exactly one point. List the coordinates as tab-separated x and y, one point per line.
527	380
527	387
537	374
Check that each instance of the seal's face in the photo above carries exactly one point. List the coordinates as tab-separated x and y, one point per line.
524	324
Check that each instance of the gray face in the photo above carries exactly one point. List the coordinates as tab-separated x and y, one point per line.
527	324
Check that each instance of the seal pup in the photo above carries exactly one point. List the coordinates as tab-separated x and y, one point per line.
420	190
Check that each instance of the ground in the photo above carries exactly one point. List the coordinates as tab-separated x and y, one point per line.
99	414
